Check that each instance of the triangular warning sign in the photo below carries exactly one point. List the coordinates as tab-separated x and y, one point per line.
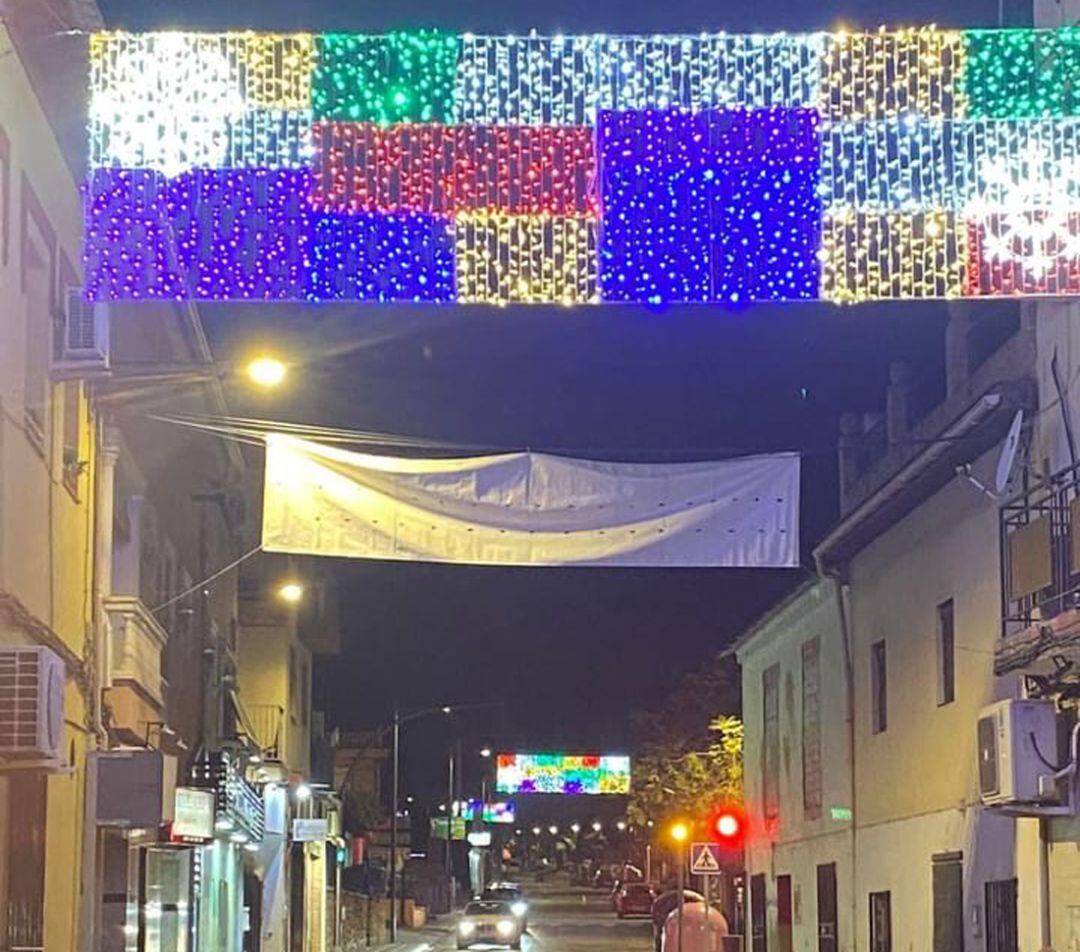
705	861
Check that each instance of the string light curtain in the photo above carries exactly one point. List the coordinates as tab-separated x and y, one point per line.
576	169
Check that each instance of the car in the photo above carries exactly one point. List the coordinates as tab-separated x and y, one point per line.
491	922
511	893
634	899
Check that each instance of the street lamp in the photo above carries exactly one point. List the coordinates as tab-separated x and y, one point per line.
575	827
553	830
485	752
266	371
597	826
290	592
621	826
399	720
680	833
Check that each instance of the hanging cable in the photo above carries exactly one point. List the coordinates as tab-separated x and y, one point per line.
207	580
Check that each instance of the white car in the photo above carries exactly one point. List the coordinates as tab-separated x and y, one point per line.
490	922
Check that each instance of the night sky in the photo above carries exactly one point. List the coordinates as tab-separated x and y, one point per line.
570	652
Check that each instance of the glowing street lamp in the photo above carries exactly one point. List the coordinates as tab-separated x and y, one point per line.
680	833
290	592
597	826
266	372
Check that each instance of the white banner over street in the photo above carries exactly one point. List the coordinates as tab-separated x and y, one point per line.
530	509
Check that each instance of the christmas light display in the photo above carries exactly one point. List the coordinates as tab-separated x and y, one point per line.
562	773
215	234
1013	74
525	259
710	206
715	168
514	169
406	256
406	76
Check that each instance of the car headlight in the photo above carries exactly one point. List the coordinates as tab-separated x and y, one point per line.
505	927
466	927
519	909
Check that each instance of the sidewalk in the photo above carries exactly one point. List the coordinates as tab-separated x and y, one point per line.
419	940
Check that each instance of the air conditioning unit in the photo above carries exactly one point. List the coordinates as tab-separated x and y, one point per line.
83	347
31	704
1018	752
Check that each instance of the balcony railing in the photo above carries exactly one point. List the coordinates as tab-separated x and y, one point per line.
1040	552
137	643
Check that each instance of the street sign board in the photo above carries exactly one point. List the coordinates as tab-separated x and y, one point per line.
705	859
309	830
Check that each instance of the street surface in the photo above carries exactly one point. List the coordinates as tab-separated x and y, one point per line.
560	921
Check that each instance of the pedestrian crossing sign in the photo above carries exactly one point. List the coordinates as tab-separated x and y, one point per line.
705	859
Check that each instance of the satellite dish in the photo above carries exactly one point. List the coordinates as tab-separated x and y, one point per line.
1008	454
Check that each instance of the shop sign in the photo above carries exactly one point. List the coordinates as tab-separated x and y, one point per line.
193	815
310	830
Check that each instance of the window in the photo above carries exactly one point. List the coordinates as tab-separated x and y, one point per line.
784	919
811	729
879	698
1001	919
5	195
38	338
826	908
294	693
947	878
305	692
946	653
72	468
880	922
770	781
37	280
758	938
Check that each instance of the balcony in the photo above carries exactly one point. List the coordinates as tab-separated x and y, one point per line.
135	696
266	725
1040	572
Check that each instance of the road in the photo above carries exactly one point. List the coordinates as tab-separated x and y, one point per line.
563	918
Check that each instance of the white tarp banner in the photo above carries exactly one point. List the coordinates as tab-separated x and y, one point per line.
530	509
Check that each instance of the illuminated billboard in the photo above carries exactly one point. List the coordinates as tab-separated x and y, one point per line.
563	773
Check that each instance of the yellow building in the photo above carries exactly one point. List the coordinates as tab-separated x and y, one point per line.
47	485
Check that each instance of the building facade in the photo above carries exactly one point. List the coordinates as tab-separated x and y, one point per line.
797	782
919	562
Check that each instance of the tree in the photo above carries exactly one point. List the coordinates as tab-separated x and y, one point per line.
669	782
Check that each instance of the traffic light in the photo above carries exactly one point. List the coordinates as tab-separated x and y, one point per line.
727	826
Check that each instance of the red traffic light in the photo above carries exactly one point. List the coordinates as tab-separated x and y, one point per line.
727	826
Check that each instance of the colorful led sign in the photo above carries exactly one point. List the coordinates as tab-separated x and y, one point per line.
708	168
562	773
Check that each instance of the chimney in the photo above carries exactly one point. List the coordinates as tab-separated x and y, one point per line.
897	413
848	455
957	348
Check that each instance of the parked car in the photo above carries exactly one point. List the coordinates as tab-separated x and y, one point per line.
634	899
511	893
490	922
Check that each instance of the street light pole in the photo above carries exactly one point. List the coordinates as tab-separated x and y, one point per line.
393	827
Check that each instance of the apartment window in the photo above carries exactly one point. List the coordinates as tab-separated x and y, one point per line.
811	728
294	693
305	692
879	698
947	882
5	194
1002	932
759	941
38	338
71	466
770	752
880	922
827	915
38	251
946	653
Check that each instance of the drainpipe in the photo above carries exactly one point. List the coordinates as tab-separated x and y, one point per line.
840	585
1044	882
102	500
